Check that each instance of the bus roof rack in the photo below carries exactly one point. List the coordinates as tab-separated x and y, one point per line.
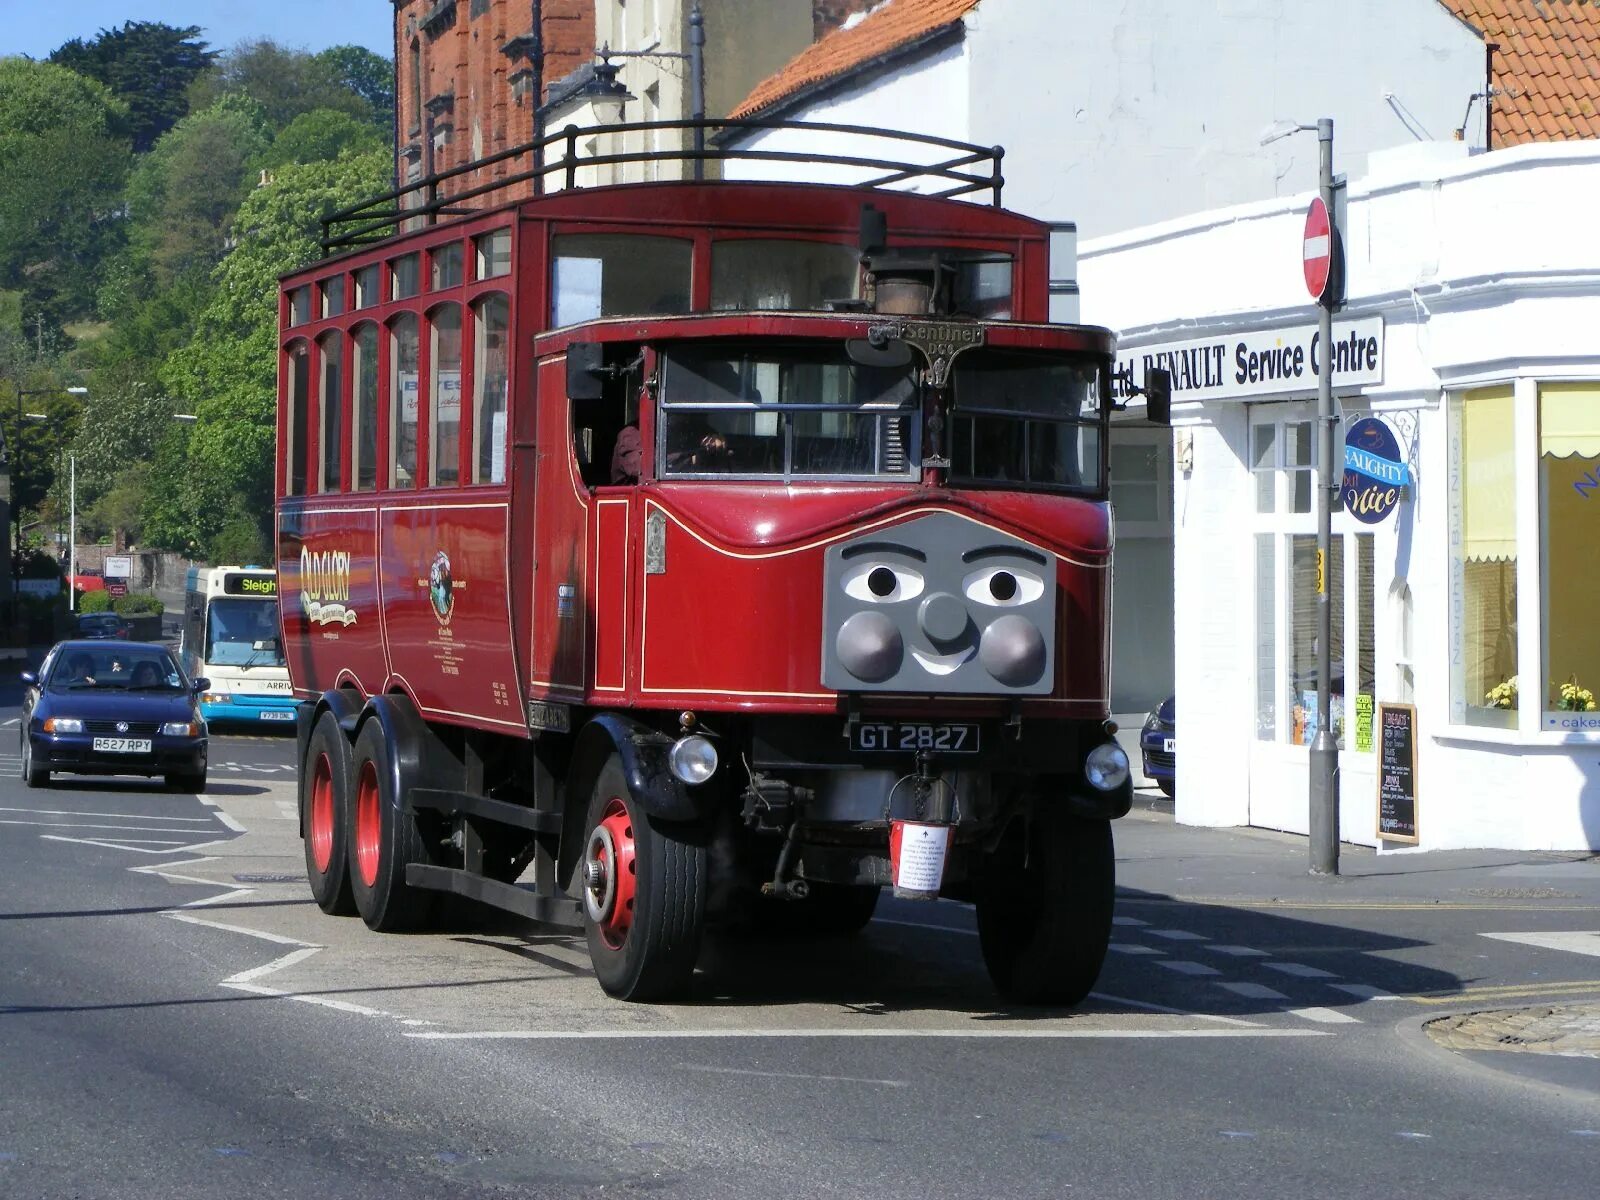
957	169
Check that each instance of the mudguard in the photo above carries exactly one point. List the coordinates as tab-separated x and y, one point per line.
417	756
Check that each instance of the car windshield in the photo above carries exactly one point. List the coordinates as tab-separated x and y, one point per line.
79	668
802	411
243	632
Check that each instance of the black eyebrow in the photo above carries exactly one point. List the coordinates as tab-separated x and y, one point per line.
861	548
1003	551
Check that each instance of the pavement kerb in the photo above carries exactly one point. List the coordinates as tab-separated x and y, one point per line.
1412	1032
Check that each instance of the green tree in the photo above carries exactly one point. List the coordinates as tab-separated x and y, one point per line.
38	451
321	135
284	81
146	64
228	370
65	154
368	75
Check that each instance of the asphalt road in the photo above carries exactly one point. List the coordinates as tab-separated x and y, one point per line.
178	1020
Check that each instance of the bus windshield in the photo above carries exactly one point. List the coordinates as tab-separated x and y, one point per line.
243	632
1027	418
798	411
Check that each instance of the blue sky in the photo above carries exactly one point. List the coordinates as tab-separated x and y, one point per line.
36	27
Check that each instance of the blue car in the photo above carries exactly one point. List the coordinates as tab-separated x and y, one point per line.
113	708
1158	745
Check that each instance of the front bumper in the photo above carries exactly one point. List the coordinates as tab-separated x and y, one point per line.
75	752
1158	761
277	709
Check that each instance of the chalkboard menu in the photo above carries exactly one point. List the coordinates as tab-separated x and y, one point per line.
1397	773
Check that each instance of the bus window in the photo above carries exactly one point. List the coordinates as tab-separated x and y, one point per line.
403	402
492	322
403	277
364	423
493	253
982	280
444	390
330	348
767	274
444	267
617	274
1026	418
298	378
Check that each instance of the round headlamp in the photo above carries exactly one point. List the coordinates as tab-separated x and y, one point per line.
693	759
1106	768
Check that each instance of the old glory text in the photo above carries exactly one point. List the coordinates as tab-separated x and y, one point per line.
1259	362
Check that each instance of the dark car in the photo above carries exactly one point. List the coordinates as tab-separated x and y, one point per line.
99	625
1158	743
113	708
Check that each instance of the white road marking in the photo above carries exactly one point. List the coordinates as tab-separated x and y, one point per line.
179	915
1177	935
1253	991
552	1035
277	964
894	1083
220	897
1128	921
1133	948
85	825
1577	941
1299	970
1363	991
13	721
230	822
161	870
1149	1006
108	844
1239	951
73	812
1325	1016
1185	967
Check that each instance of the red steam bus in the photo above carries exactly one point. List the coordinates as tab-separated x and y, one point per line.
663	554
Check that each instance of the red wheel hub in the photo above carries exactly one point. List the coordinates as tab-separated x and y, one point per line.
322	814
610	874
369	825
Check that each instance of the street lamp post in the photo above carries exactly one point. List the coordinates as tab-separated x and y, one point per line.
1323	788
697	78
16	496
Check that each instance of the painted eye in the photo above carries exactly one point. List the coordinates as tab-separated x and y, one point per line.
882	583
1002	587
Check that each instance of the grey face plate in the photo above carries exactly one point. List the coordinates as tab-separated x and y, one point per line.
939	605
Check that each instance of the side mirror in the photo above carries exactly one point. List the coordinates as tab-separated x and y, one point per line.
199	685
585	366
1158	396
29	678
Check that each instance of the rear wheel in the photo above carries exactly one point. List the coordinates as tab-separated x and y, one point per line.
383	841
326	776
644	891
1044	909
31	775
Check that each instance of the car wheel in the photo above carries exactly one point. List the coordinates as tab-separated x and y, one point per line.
33	776
1169	787
1044	909
644	893
326	777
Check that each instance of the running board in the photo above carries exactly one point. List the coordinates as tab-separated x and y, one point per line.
524	901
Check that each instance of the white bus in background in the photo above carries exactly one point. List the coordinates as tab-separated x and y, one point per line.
231	637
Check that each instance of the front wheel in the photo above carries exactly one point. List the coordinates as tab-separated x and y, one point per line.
644	893
1044	909
31	775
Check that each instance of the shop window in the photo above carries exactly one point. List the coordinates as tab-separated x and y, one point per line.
364	415
1140	492
444	392
367	287
616	274
1569	490
403	277
491	325
493	252
1484	679
444	267
297	376
403	354
1283	466
330	349
763	274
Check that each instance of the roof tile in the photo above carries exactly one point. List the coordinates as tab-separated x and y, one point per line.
1547	70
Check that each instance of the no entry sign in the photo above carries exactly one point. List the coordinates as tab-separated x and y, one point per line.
1318	249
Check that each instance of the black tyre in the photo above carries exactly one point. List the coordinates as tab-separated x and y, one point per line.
643	884
383	840
831	910
182	782
31	775
1169	787
1044	909
326	780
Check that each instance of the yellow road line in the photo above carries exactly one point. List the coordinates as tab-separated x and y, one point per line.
1565	989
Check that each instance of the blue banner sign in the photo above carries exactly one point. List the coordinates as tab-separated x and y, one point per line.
1374	471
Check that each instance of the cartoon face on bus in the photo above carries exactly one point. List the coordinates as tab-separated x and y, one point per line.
939	605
